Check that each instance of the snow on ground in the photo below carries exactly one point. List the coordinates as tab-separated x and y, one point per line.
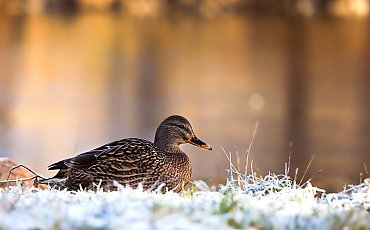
289	207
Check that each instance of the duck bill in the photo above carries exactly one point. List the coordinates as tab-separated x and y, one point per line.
197	142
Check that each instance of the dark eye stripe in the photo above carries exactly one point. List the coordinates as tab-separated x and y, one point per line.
173	124
180	126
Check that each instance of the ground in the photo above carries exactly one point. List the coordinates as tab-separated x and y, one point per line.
270	202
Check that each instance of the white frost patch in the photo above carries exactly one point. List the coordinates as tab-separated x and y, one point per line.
288	208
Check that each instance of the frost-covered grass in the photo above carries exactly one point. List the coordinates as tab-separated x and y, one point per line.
272	202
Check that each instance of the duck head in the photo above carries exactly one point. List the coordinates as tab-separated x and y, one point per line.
174	131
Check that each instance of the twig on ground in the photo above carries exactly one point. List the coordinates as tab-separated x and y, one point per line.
23	175
19	179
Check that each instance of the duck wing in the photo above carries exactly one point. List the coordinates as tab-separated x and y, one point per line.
86	159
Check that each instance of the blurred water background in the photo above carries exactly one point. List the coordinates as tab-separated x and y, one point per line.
75	74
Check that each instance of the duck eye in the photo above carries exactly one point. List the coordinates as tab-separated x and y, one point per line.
182	126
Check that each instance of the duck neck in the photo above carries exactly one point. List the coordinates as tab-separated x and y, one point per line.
168	148
165	141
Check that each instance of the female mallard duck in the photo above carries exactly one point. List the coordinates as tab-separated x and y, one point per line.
133	161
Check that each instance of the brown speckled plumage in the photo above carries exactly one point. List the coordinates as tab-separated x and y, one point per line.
133	161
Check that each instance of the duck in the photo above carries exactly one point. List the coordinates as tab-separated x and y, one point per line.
132	162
